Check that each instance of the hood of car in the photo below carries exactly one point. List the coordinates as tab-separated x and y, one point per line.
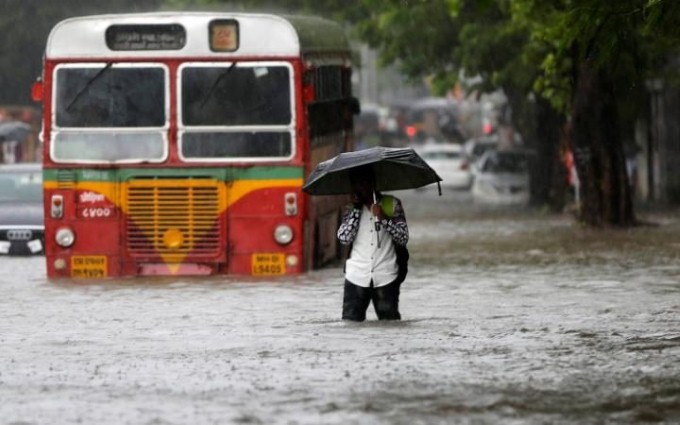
504	179
21	214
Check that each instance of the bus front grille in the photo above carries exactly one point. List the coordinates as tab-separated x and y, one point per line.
173	217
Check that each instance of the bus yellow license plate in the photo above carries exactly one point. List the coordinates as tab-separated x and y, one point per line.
268	264
89	266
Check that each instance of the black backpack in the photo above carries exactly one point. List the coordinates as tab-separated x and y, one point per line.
402	261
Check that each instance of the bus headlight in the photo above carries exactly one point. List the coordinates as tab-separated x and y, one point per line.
283	234
64	237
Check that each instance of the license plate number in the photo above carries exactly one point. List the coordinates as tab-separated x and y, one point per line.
88	266
264	264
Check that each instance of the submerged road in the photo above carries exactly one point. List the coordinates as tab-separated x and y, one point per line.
510	317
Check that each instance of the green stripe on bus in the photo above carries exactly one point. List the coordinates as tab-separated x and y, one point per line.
222	173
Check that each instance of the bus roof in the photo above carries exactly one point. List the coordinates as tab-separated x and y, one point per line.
259	34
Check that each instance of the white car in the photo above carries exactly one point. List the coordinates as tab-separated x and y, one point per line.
501	177
450	163
474	148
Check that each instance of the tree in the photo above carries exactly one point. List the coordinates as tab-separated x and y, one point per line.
601	53
587	58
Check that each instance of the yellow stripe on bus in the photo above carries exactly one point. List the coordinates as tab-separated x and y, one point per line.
235	190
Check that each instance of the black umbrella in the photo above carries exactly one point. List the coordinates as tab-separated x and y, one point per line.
14	130
394	169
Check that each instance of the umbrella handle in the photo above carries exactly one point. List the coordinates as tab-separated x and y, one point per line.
377	223
377	232
375	202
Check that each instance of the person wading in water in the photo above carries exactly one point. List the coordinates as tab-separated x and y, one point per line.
374	226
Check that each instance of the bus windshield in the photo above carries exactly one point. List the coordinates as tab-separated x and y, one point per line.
218	101
110	112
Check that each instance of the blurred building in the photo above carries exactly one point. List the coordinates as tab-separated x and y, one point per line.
658	140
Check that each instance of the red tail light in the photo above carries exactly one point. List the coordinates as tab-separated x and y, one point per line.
37	92
290	203
464	165
57	206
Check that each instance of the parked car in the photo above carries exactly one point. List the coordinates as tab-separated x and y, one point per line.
22	227
475	147
501	177
450	162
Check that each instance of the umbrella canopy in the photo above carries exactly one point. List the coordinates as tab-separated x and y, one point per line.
14	130
394	169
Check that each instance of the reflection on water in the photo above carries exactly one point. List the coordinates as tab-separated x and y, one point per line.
509	318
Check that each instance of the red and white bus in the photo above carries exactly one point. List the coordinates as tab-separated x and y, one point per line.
178	143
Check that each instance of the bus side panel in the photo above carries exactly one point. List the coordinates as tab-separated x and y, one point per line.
325	211
329	110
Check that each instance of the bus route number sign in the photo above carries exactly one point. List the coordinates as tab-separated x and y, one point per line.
146	37
88	266
268	264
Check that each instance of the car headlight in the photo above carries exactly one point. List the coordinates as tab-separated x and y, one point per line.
283	234
64	237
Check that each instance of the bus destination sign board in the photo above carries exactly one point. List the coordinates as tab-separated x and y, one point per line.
146	37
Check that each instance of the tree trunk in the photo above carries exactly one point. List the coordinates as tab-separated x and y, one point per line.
598	151
540	126
550	178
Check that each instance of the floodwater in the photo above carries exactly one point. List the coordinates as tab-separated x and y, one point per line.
510	317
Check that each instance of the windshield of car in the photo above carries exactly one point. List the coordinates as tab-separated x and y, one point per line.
21	186
506	163
481	147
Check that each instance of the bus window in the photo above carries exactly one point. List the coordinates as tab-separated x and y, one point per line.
110	97
107	146
236	145
110	113
236	95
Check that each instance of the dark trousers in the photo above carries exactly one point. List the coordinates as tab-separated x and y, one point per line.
357	298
